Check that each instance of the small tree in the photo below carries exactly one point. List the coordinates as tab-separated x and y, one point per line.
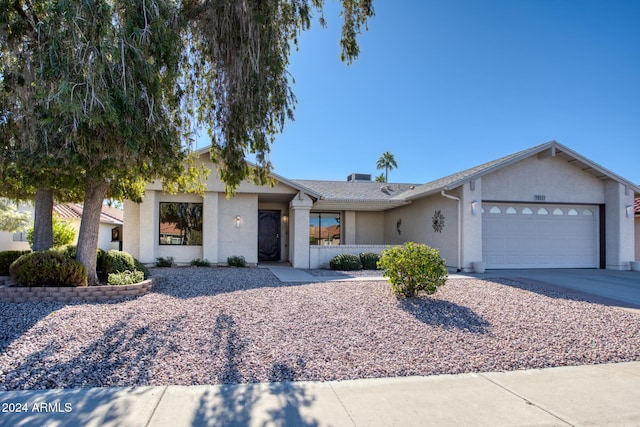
412	268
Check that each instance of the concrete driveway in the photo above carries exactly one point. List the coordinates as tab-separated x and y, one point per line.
611	287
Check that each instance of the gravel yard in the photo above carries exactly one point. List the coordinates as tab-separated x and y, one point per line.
226	325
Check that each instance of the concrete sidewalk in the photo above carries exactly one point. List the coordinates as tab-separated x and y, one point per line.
602	395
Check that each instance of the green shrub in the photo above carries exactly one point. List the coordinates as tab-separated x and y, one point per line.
142	268
200	263
125	278
345	262
63	233
48	268
7	258
117	262
68	251
164	262
412	268
369	260
236	261
100	260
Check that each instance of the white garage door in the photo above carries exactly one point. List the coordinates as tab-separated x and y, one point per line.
539	236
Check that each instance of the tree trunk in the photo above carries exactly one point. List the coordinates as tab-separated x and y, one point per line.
95	193
42	220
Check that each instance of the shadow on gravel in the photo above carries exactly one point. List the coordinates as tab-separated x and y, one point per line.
18	318
119	357
193	282
232	404
445	314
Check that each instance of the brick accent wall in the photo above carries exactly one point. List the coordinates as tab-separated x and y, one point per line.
71	294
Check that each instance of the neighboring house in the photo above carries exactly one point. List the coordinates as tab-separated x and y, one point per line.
109	235
544	207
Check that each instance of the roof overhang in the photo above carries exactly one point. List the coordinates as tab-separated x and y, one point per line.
357	205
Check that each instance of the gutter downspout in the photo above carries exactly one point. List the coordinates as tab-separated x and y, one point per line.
459	231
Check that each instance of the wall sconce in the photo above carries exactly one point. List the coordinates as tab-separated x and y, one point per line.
474	207
285	219
238	221
629	211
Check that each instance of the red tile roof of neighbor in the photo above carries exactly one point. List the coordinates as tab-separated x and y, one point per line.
636	206
74	211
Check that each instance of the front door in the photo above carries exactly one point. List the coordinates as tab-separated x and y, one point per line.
268	235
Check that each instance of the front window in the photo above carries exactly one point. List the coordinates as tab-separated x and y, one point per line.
181	224
324	228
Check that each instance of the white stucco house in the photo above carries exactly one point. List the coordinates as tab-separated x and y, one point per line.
109	233
544	207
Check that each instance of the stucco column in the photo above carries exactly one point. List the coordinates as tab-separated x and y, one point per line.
349	228
299	209
471	224
210	227
149	227
618	226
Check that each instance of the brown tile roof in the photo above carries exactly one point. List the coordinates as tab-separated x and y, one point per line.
74	211
636	206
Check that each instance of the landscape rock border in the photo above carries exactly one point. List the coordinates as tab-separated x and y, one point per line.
19	294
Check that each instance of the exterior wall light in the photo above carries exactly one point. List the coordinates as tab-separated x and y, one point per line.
629	211
238	221
285	218
474	207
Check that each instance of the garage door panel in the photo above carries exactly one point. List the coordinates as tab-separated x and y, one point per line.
547	236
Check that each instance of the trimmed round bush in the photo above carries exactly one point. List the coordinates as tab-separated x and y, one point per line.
412	268
140	267
68	250
369	260
236	261
125	278
117	261
7	258
164	262
345	262
200	263
48	268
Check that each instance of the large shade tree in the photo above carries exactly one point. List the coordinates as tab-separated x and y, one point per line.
121	84
30	165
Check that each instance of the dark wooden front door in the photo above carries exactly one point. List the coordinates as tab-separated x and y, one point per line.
268	235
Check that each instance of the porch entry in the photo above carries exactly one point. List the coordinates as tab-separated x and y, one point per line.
268	235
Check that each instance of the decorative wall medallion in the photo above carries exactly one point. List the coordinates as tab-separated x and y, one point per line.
438	221
398	224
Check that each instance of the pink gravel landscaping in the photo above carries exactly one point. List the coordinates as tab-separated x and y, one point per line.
208	326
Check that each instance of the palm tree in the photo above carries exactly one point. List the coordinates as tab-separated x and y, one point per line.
380	178
386	162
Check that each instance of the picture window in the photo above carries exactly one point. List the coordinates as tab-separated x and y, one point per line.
181	224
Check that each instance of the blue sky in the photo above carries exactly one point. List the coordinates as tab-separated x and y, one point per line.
449	84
